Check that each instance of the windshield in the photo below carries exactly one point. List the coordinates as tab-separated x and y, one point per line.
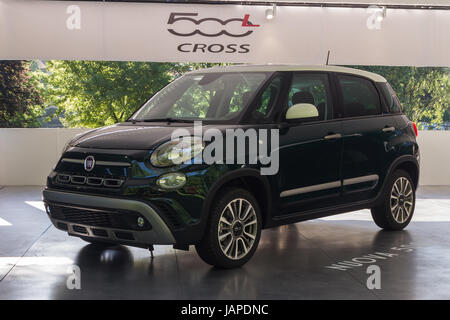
208	96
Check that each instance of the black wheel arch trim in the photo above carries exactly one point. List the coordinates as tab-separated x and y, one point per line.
394	165
236	175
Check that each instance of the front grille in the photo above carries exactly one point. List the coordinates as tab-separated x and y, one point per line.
80	229
65	178
78	179
62	226
94	181
114	183
98	217
124	235
100	232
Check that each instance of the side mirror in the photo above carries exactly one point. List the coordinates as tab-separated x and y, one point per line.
302	111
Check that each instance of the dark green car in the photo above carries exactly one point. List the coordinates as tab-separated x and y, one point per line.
338	142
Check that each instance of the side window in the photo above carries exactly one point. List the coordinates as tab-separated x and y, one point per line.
265	103
395	106
392	101
360	97
313	89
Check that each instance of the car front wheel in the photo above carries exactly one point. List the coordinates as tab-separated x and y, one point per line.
233	230
399	202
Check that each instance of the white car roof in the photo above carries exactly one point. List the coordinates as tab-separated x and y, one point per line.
272	68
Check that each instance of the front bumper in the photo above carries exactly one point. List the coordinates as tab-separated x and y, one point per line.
159	232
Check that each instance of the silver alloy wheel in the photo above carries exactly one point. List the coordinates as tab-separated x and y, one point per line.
402	198
237	230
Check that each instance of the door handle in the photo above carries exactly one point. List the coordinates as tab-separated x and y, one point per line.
388	129
333	136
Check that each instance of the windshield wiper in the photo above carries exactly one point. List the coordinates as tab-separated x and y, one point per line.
162	120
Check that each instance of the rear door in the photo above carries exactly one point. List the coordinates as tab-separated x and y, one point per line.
367	134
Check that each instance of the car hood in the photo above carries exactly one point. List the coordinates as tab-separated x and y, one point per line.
130	136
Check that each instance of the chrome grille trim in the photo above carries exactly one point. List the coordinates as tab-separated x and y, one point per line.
112	183
113	164
94	181
99	163
63	178
78	179
90	181
81	161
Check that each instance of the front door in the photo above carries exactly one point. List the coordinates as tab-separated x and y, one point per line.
310	149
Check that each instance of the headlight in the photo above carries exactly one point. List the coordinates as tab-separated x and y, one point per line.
177	151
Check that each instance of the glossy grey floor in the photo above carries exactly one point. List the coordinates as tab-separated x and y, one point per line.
292	262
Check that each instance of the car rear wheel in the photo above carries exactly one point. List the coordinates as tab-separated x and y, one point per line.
399	202
233	230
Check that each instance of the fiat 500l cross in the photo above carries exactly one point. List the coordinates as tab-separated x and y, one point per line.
343	145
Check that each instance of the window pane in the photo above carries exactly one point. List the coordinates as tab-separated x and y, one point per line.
265	103
313	89
193	103
209	96
360	96
396	106
388	96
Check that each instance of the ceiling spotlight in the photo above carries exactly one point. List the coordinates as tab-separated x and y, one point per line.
381	14
270	13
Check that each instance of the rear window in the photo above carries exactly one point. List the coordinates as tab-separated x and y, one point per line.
360	97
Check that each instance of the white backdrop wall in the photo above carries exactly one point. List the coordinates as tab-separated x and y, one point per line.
27	155
435	157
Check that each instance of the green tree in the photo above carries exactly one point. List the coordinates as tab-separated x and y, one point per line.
20	101
98	93
423	92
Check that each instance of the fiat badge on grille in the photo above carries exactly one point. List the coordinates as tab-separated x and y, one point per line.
89	163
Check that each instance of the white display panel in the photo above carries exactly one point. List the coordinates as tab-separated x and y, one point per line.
367	2
297	34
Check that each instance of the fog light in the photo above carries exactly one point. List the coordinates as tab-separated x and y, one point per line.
172	180
47	209
140	222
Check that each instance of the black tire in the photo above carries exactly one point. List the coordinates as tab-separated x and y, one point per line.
209	248
383	215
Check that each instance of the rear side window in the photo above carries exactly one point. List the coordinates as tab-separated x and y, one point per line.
360	97
391	98
395	105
